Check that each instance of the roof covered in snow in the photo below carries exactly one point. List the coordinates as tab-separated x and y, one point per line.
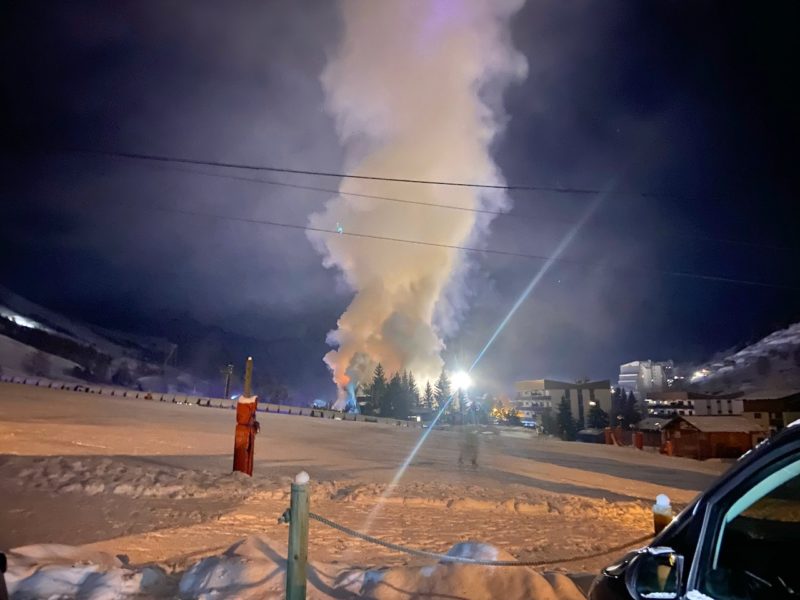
653	423
771	394
723	424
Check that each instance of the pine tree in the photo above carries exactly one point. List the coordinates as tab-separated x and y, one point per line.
549	422
617	406
565	422
631	414
428	398
377	390
401	404
442	394
413	391
393	397
597	418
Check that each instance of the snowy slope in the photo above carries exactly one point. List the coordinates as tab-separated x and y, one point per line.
27	314
771	363
13	355
27	327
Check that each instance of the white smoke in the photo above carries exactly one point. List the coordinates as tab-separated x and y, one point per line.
415	88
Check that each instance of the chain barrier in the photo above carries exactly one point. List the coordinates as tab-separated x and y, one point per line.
473	561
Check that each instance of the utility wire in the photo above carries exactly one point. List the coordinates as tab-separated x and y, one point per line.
490	251
462	184
486	211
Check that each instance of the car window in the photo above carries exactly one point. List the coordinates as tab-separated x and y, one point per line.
754	555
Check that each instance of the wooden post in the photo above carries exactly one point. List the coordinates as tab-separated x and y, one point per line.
298	539
248	378
227	371
247	425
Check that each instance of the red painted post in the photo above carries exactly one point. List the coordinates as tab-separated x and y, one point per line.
246	429
246	426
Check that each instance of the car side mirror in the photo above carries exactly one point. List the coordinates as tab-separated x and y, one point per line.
655	573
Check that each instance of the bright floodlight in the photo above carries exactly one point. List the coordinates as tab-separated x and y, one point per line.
462	380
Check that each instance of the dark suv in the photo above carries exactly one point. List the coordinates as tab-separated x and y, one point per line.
739	540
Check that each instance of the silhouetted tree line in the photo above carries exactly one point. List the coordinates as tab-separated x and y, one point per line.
624	409
398	395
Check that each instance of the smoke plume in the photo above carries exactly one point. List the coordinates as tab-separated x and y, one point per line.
416	91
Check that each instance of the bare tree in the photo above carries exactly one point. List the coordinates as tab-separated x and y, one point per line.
37	363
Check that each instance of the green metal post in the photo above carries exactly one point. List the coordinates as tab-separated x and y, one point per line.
248	378
298	539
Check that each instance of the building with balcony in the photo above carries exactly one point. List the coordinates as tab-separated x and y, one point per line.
668	404
535	396
718	405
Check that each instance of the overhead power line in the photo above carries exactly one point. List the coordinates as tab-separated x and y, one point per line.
286	170
486	211
496	213
489	251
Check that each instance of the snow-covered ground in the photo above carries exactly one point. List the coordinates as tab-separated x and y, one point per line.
150	482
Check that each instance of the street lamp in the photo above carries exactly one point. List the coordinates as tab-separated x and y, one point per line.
461	380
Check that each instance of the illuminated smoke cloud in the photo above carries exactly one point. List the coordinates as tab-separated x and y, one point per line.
415	88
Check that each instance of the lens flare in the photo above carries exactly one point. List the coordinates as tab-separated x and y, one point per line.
462	380
464	376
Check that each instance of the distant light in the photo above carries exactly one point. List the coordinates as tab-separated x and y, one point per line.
22	321
462	380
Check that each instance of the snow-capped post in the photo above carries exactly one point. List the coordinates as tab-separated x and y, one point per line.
298	539
246	425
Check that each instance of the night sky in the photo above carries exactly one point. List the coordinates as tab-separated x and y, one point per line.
683	109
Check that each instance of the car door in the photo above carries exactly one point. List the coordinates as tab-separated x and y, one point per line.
748	546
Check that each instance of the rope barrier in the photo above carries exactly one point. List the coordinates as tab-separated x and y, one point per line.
472	561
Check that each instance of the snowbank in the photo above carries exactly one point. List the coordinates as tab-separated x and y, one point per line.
58	571
256	568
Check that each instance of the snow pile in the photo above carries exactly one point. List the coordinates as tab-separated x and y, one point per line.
256	568
93	475
58	571
253	568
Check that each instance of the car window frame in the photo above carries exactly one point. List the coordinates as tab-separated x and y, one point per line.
718	504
